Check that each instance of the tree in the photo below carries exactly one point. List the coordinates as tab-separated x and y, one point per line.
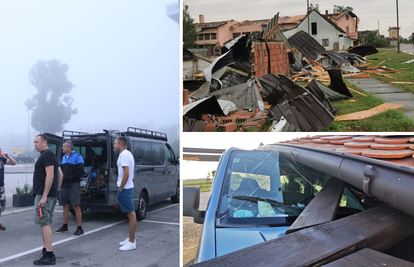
52	104
340	9
189	30
213	173
208	176
313	8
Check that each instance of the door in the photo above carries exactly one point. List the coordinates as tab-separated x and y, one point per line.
172	166
144	171
112	157
160	172
55	144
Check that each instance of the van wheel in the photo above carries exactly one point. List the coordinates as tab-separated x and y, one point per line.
141	211
176	197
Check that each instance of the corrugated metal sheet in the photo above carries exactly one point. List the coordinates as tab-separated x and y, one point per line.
308	46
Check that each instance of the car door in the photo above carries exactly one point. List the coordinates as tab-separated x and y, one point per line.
144	171
172	170
55	144
160	171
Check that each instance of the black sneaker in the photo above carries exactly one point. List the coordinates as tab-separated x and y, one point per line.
61	230
45	261
78	232
2	228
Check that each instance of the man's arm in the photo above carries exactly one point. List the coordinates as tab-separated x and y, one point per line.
10	160
48	184
60	178
124	178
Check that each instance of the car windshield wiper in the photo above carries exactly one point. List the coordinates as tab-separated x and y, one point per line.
270	201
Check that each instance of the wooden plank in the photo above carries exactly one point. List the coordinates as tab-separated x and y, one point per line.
402	82
368	257
355	91
322	208
368	113
377	228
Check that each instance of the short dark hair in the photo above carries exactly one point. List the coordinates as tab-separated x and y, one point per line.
122	140
43	137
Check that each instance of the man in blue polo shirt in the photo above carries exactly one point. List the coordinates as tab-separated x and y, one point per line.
73	168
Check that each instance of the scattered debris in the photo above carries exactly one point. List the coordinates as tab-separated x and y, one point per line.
408	62
368	113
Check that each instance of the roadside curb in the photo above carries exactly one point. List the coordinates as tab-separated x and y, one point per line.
16	211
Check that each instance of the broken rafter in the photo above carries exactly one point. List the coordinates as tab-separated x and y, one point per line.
355	91
271	30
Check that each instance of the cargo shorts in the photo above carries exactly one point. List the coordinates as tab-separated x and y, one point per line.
70	195
47	211
2	198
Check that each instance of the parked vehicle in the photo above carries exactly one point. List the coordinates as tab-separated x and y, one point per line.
256	196
23	158
156	170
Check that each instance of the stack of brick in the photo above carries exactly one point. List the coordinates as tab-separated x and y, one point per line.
279	59
230	122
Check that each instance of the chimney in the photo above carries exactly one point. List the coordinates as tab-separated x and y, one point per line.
201	19
326	13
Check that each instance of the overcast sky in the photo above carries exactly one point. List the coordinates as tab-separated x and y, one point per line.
123	57
369	12
249	141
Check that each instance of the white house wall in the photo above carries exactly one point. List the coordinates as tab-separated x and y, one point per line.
325	30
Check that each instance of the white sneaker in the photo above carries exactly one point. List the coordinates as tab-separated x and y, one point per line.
124	242
129	246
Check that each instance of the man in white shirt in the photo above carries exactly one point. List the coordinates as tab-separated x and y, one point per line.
126	189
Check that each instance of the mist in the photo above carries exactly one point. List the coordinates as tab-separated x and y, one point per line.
123	59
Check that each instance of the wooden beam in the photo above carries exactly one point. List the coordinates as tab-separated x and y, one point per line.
377	228
355	91
322	208
369	257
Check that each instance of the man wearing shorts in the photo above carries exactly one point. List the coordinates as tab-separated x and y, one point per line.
72	166
4	159
47	178
125	190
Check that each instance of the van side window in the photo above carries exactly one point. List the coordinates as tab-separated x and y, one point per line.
169	154
142	153
158	154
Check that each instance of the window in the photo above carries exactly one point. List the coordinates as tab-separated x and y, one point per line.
169	154
347	29
325	42
158	154
213	36
347	17
341	35
207	36
246	33
200	37
142	153
236	34
314	29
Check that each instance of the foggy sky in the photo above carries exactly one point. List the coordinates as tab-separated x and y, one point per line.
369	12
123	57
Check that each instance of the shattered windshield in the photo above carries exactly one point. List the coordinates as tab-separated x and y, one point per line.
265	188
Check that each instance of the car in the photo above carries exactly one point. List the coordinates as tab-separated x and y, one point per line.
258	195
157	175
23	158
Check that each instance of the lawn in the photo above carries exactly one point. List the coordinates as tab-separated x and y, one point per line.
204	185
389	121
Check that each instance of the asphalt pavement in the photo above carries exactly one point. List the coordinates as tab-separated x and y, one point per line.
158	236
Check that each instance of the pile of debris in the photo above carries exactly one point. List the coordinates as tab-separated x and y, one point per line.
251	86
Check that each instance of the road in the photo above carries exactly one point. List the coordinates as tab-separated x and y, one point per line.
192	232
407	48
158	236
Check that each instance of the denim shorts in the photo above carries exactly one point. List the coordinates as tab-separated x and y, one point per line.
126	202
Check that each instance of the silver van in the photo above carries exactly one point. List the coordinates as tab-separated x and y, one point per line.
156	167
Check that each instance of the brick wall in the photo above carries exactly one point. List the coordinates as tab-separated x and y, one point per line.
279	60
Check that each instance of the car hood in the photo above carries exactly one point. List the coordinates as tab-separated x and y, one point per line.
232	239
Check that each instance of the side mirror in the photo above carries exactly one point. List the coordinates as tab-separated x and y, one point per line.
191	204
178	161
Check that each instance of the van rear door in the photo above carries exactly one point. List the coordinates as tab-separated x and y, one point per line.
55	144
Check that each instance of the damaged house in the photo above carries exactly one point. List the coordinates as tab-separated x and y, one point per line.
324	31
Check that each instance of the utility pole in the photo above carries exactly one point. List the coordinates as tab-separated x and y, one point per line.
307	12
398	30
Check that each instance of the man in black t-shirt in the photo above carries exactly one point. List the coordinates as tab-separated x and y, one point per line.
4	159
47	178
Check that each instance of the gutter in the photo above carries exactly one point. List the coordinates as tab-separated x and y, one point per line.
389	182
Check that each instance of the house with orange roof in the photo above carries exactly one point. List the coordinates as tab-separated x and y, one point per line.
248	27
290	22
213	33
347	21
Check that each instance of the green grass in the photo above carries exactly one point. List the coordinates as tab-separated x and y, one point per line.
204	185
393	60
